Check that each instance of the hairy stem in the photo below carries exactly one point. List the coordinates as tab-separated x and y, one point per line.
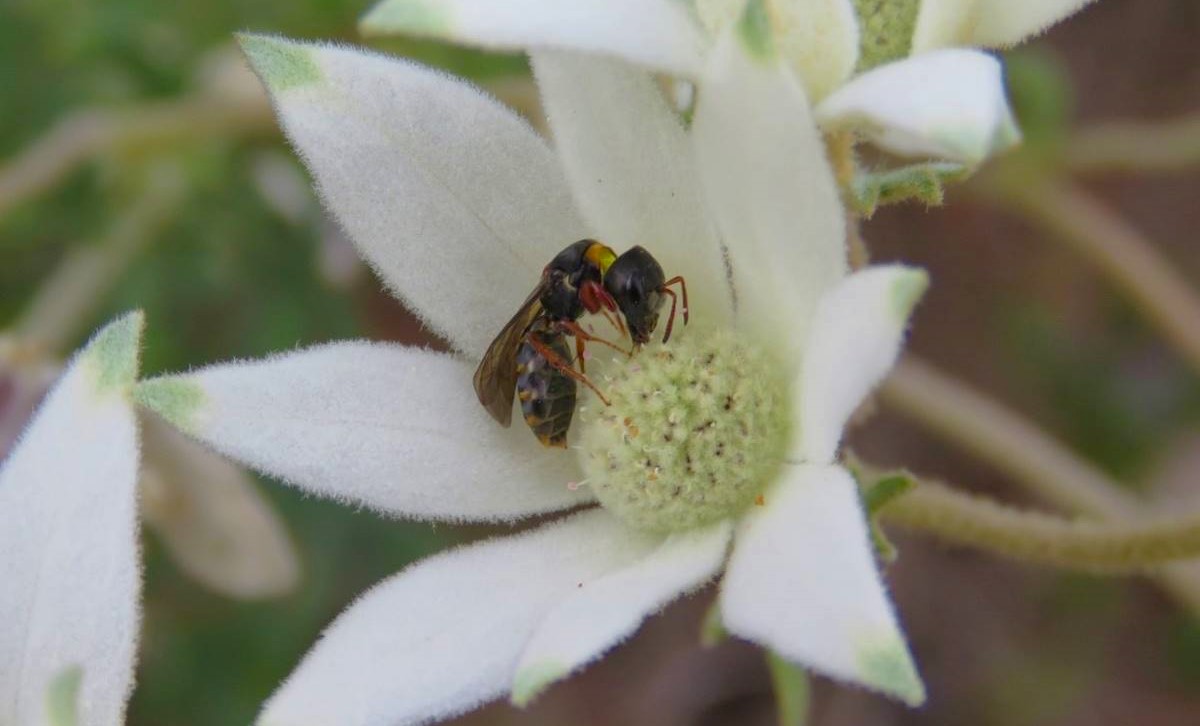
999	436
1136	146
968	419
1030	536
1122	253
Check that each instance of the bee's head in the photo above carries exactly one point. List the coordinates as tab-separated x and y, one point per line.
635	281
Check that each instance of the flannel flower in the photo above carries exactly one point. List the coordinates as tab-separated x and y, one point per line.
902	73
718	455
69	553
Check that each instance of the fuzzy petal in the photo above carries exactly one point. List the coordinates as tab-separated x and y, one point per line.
631	166
656	33
763	166
802	582
593	619
444	636
69	559
215	523
397	429
852	344
989	23
945	103
450	196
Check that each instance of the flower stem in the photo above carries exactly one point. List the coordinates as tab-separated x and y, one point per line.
1121	252
790	683
89	133
1029	536
969	419
998	435
65	301
1136	146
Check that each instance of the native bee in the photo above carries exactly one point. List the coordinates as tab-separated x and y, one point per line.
530	355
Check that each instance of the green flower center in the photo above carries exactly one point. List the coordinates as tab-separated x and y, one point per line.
694	434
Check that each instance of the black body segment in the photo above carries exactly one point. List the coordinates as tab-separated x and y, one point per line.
563	278
635	280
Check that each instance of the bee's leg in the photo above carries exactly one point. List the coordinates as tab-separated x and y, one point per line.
564	366
671	317
572	327
667	290
611	303
615	321
596	299
579	355
678	279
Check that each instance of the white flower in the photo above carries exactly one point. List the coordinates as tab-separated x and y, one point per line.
852	56
458	205
69	553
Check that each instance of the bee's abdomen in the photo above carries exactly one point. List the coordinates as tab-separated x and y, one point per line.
547	395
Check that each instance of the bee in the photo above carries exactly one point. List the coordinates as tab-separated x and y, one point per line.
530	355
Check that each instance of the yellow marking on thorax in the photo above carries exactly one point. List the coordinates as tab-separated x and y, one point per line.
600	255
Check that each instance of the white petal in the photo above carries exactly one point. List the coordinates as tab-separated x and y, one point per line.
597	617
945	103
69	559
1001	23
852	344
656	33
450	196
819	38
444	636
802	582
991	23
398	429
767	181
630	163
213	520
943	23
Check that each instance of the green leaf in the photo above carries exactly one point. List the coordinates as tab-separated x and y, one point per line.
712	630
922	182
877	491
790	684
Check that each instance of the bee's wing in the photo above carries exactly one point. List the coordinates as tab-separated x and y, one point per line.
496	376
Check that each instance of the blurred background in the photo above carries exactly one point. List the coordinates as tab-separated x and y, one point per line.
140	168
